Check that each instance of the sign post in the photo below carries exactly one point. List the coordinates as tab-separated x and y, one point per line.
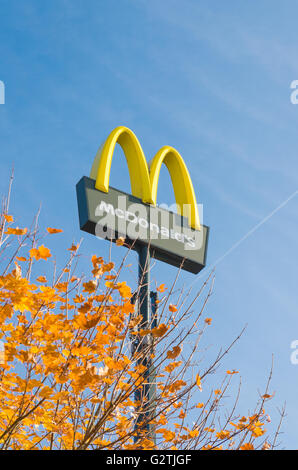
146	306
178	239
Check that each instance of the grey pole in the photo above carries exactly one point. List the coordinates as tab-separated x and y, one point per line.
146	306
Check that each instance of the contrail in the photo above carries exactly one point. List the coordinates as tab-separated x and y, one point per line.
250	232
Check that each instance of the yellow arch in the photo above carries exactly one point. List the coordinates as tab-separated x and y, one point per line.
181	181
136	162
144	183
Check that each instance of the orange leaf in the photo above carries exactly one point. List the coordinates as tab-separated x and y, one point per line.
161	288
173	308
15	231
247	446
40	253
120	241
46	392
159	331
54	230
89	287
198	382
73	248
21	258
170	367
174	353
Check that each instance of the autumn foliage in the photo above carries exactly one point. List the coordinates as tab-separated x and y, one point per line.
70	372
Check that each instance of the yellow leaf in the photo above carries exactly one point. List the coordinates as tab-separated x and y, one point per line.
17	271
120	241
198	382
46	392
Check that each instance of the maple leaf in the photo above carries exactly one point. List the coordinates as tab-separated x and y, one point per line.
174	353
54	230
17	271
266	446
247	446
89	287
40	253
85	308
16	231
173	308
161	288
177	385
159	331
198	382
73	248
21	258
45	392
124	291
223	434
172	366
108	266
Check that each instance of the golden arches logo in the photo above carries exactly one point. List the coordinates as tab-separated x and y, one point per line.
144	180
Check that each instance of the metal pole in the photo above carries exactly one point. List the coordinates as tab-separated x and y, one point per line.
146	305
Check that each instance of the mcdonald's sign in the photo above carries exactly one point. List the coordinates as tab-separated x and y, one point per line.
178	238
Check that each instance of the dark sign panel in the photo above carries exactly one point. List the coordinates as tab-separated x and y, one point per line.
116	214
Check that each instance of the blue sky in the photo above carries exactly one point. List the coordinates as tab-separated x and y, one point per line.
212	80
